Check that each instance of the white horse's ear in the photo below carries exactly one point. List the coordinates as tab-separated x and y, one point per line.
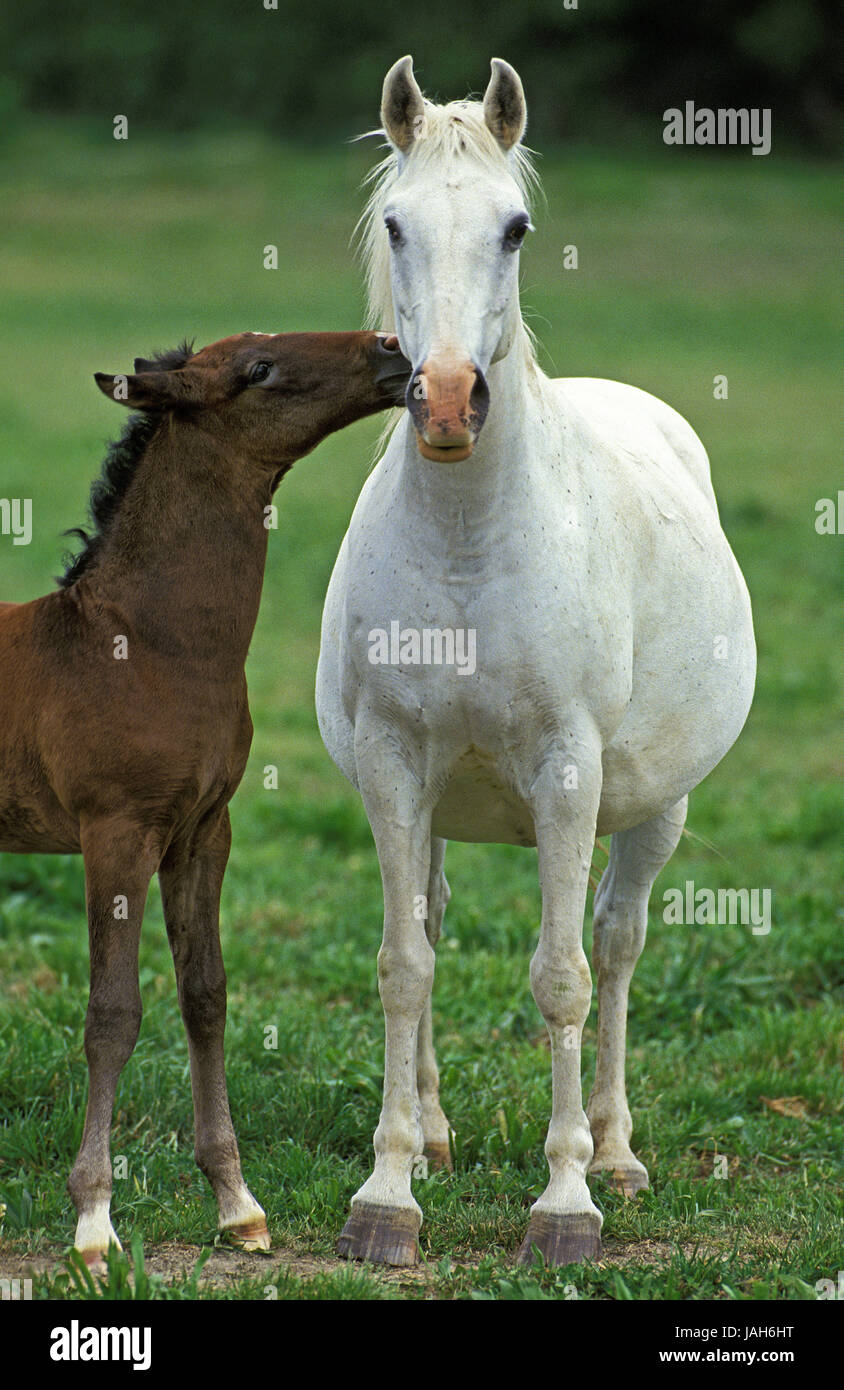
402	105
505	109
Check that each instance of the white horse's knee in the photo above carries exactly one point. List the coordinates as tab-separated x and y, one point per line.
562	988
618	934
405	975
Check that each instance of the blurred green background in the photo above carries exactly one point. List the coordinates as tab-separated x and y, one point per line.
692	264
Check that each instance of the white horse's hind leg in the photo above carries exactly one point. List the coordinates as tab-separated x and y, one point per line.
435	1126
620	924
565	1225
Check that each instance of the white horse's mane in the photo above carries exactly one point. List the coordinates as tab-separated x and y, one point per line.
455	131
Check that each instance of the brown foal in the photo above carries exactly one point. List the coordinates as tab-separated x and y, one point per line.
124	721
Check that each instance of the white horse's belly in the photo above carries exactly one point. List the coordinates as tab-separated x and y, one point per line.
479	806
661	752
657	755
488	738
655	758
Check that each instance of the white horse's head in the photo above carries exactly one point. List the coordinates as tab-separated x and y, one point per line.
445	224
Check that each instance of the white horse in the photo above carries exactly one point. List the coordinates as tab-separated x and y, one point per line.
571	526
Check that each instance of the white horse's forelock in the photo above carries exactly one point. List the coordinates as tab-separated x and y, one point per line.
455	131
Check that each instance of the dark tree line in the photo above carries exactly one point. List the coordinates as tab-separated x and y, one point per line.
313	68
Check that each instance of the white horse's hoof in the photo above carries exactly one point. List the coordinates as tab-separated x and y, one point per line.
562	1239
384	1235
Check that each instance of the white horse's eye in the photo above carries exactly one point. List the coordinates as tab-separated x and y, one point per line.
393	231
516	232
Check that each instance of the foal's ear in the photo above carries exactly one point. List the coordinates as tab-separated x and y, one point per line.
402	105
150	390
505	109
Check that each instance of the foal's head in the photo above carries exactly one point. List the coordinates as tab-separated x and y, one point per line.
445	225
269	398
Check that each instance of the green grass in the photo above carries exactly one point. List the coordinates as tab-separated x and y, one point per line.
687	270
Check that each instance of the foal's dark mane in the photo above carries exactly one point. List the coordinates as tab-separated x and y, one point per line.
118	470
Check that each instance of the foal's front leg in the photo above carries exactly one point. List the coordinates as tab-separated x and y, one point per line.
191	878
565	1224
119	863
385	1218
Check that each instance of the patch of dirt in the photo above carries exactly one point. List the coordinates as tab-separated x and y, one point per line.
654	1252
224	1267
640	1252
227	1266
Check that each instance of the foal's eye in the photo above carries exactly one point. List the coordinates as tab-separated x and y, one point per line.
516	233
259	373
393	231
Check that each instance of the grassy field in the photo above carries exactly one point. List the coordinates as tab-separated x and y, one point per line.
689	267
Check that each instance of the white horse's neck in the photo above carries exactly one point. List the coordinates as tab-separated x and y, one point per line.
480	488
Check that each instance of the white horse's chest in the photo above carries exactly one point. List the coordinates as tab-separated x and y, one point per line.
476	664
474	631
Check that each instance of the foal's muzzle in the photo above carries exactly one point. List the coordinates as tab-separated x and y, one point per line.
448	400
392	369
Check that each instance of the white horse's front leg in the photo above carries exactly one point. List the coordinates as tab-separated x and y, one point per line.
565	1225
385	1218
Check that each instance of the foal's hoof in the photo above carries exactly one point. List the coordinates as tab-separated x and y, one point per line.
439	1157
561	1240
95	1254
384	1235
250	1236
628	1180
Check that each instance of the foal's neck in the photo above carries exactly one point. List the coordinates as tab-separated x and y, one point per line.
184	556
